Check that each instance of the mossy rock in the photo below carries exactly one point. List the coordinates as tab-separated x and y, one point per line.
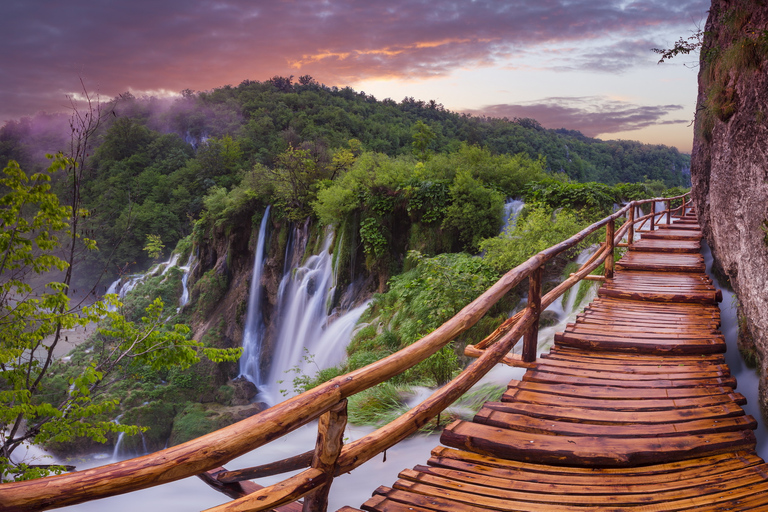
192	422
158	417
548	319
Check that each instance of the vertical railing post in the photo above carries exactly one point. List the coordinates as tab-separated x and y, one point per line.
682	214
330	439
631	220
610	232
653	215
531	337
669	211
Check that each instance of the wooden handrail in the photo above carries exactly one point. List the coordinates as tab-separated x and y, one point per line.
215	449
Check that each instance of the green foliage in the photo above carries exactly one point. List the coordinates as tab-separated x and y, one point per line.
598	198
538	229
423	136
208	291
681	47
377	405
423	298
154	247
195	421
474	399
440	367
475	211
37	404
735	47
374	240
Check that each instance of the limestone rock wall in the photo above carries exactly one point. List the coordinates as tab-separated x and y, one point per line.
730	155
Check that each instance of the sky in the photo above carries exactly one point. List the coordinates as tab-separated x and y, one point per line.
583	65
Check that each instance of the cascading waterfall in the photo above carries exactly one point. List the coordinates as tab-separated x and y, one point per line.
512	209
309	336
187	269
250	361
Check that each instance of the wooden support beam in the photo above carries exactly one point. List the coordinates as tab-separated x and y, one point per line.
631	222
276	495
592	278
294	463
531	338
240	489
653	215
513	360
609	233
330	439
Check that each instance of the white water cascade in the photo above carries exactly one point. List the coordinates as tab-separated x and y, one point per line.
187	269
512	209
253	332
309	336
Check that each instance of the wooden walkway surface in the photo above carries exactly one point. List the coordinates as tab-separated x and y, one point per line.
633	409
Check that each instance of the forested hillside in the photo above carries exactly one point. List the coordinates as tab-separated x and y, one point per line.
154	162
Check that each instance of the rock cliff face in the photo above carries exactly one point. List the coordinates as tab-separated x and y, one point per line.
730	156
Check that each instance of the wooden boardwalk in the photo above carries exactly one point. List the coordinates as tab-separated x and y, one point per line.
633	409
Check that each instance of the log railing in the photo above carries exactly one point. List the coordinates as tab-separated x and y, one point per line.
205	455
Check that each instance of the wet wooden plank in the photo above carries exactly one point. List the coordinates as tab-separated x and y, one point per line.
553	426
648	261
673	234
642	345
598	417
666	245
555	378
590	451
637	403
622	393
666	473
618	494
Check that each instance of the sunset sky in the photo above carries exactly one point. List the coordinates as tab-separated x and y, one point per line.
579	64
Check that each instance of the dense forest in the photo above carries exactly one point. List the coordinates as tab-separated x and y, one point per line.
153	162
401	196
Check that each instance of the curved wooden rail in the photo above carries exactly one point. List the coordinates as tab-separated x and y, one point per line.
327	400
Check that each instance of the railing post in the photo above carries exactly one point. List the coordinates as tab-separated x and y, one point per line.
610	232
653	215
330	439
682	214
531	337
669	211
631	220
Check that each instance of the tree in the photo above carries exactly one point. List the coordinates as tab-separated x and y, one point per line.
475	211
423	136
154	247
681	46
40	241
33	316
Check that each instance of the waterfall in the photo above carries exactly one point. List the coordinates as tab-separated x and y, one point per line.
252	334
114	289
167	265
512	209
308	335
116	450
187	269
661	218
